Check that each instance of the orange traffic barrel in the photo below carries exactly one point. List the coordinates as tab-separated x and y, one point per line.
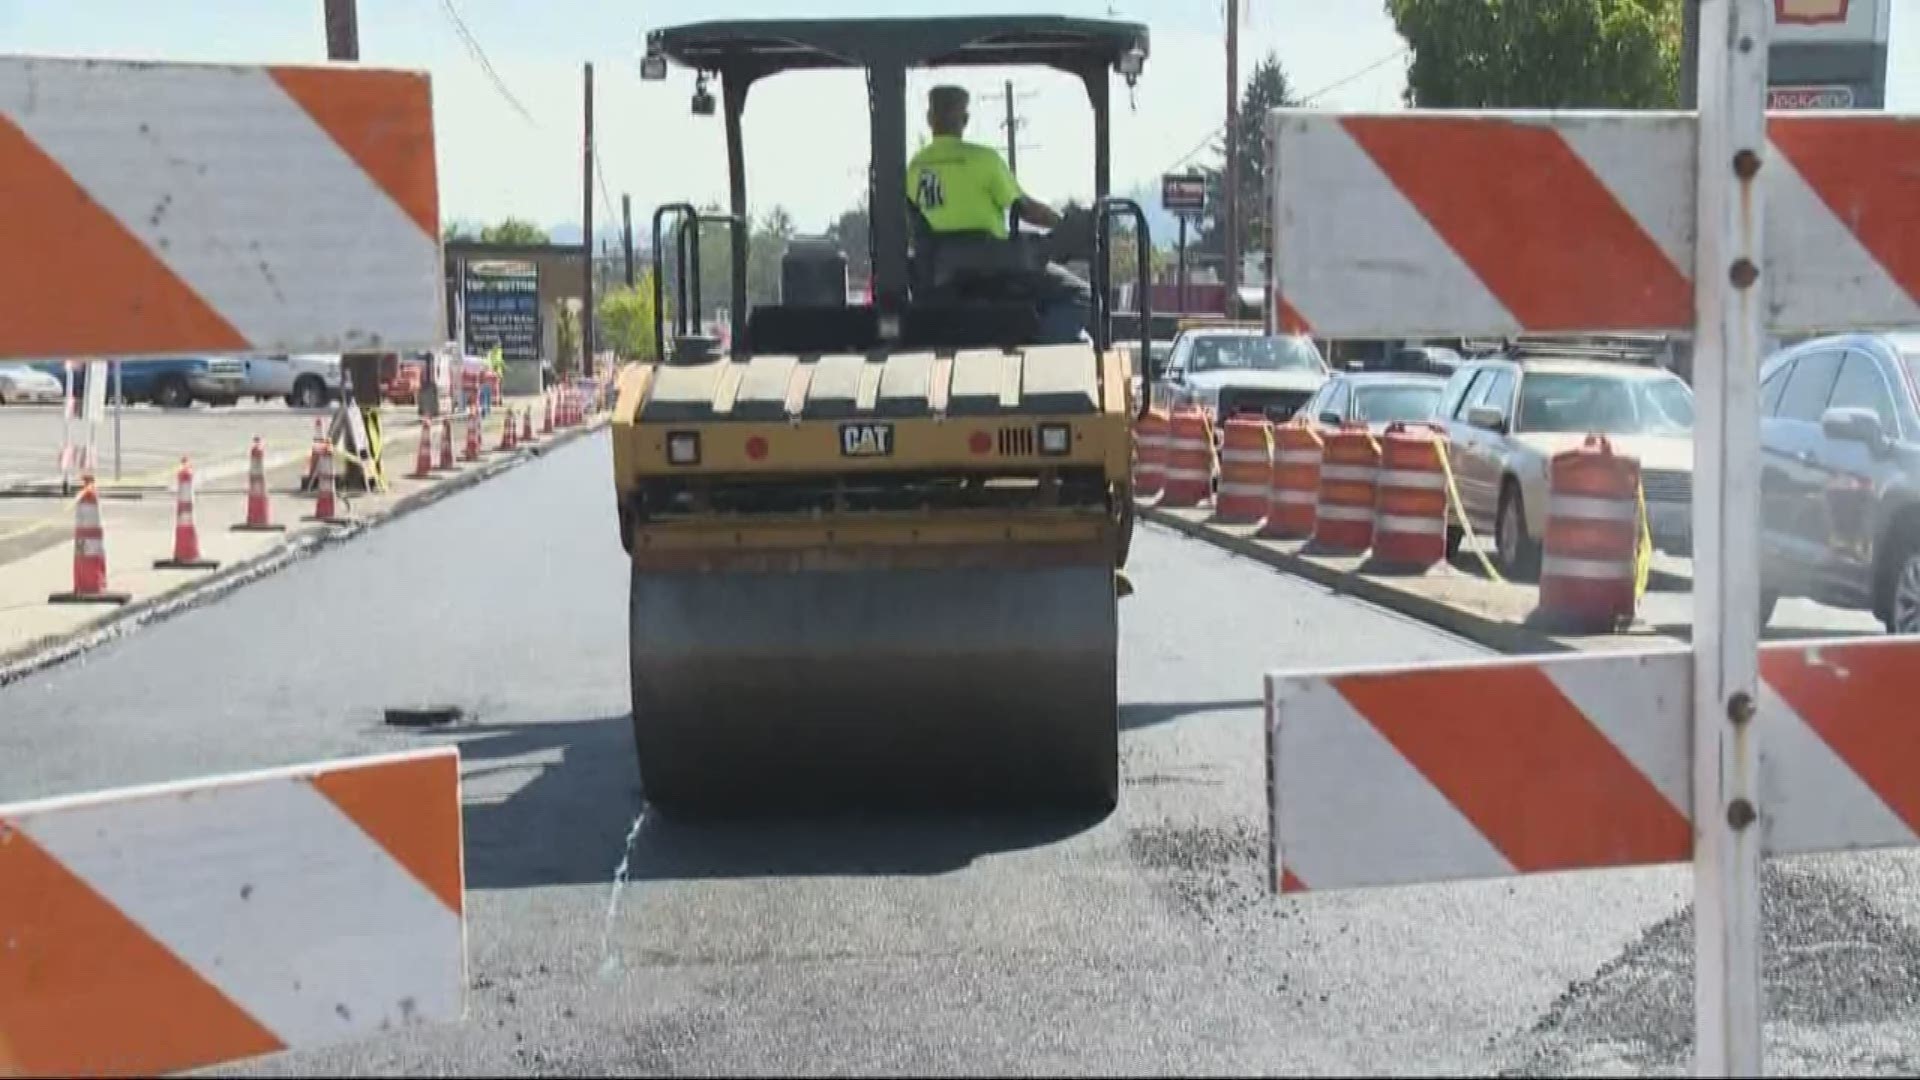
1150	437
1246	470
1349	476
1295	487
1587	569
1410	529
1189	474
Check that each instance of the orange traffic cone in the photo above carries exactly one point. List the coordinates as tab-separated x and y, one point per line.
259	518
423	456
471	452
186	535
526	424
506	434
446	444
89	554
326	508
546	425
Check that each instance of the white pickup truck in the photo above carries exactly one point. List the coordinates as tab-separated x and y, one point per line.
308	381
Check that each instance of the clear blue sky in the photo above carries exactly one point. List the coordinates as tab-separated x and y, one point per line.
805	133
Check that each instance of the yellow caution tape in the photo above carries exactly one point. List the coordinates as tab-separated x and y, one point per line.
41	522
1460	512
1643	549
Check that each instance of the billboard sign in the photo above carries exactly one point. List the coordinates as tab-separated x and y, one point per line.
1183	193
1836	22
502	303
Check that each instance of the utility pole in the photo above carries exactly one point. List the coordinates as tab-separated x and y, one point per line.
1232	180
626	234
586	244
362	368
1689	54
1012	124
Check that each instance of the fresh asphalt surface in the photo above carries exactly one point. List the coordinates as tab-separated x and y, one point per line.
1145	943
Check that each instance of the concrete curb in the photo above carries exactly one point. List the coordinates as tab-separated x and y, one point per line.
1501	637
52	651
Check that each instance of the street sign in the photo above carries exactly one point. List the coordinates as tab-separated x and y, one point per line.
190	209
1183	193
1728	224
1809	97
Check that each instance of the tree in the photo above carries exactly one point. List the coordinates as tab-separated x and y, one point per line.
626	320
513	230
852	233
1267	89
457	231
1541	54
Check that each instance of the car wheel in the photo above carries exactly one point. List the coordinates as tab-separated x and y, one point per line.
1519	553
308	393
172	393
1902	607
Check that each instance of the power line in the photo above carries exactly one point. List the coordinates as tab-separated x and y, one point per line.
1307	100
480	55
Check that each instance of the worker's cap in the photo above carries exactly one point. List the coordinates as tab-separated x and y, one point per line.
944	99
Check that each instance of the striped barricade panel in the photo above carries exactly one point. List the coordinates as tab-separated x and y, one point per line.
1433	224
166	928
200	208
1489	769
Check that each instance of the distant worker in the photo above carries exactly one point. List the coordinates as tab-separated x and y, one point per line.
963	187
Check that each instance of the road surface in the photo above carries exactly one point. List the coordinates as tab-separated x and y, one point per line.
1142	943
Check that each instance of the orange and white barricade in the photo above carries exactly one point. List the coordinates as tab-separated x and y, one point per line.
1294	491
1246	470
1349	478
1410	528
1150	437
166	928
1189	474
1588	569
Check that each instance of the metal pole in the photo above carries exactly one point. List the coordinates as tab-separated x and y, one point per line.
586	245
626	234
1729	301
343	30
1232	246
119	404
1181	273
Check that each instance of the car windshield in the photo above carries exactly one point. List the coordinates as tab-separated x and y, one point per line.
1402	402
1250	352
1565	402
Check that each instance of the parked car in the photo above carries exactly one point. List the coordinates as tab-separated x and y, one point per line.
1230	369
1506	418
1375	398
305	382
22	385
1840	476
171	383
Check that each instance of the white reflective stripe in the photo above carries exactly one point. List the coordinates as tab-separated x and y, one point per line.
1297	457
1350	807
1252	491
1399	523
1407	478
1345	513
92	547
1588	508
304	888
1349	472
1188	474
1249	457
1189	444
1588	569
1296	498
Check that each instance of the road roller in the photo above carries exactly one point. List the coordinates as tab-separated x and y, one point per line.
877	535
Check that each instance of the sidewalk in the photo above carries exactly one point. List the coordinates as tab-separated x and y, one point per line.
38	561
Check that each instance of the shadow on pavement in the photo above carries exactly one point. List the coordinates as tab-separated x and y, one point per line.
1142	714
552	803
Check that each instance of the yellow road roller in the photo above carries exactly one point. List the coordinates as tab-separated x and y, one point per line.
876	541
